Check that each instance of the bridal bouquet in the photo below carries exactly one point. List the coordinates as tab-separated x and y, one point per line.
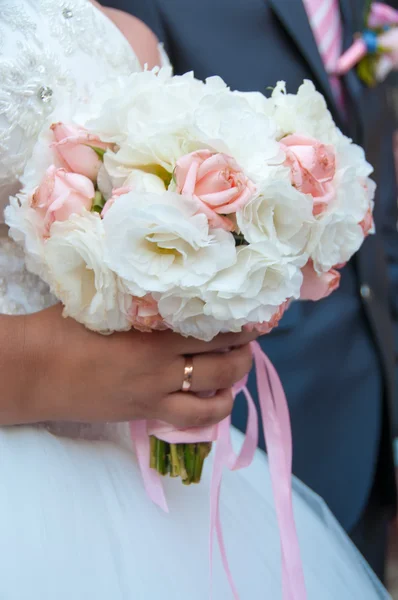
175	203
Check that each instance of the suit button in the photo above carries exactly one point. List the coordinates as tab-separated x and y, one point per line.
366	292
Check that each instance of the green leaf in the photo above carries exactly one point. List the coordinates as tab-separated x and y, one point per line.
384	50
366	69
239	239
99	151
159	171
98	202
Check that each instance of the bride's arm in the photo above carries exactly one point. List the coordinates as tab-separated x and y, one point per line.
140	37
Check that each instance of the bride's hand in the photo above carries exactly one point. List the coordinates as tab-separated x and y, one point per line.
72	374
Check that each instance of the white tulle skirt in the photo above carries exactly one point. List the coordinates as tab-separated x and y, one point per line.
76	524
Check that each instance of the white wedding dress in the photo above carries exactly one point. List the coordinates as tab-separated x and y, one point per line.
75	521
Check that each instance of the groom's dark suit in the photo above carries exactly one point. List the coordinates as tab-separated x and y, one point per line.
336	358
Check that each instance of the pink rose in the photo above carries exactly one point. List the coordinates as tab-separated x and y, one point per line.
313	167
144	315
266	327
315	287
61	194
74	148
116	193
217	181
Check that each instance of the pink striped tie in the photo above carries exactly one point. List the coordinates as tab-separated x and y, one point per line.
325	20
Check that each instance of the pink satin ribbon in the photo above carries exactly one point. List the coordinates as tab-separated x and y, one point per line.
381	15
277	431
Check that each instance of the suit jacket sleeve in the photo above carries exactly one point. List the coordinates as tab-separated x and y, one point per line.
389	222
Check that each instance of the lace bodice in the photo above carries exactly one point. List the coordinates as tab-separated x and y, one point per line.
52	53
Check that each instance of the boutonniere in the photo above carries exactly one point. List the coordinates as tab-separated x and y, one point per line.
375	50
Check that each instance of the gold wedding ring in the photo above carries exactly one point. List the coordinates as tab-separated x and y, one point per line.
188	372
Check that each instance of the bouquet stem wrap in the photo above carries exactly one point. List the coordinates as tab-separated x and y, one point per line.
276	423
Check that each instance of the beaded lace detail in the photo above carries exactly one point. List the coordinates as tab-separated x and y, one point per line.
50	51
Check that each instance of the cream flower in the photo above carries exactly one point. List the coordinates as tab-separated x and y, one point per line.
229	124
333	242
304	113
184	310
158	241
79	277
279	214
253	289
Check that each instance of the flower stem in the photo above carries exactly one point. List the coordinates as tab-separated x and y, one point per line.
161	457
202	451
181	460
153	451
189	458
175	470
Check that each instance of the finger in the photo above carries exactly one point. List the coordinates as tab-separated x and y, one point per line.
215	371
223	341
184	410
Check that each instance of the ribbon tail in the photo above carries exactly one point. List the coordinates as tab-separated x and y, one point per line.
220	460
351	57
277	432
151	478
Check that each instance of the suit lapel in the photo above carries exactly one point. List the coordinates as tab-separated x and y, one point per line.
353	13
293	16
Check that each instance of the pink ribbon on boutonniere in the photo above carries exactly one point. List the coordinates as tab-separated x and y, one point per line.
379	39
276	423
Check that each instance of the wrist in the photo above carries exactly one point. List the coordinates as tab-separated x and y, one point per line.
41	366
14	371
27	358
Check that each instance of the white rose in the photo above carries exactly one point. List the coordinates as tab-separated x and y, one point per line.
351	155
305	112
184	311
89	290
257	101
334	240
252	290
158	241
140	181
229	124
127	164
340	231
137	179
157	152
354	195
152	103
122	113
279	214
